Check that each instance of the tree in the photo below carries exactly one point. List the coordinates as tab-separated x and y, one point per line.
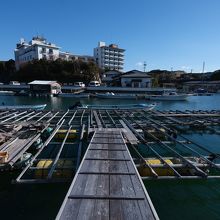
216	75
7	69
155	81
60	70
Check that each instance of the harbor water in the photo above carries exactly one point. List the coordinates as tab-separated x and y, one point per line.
173	199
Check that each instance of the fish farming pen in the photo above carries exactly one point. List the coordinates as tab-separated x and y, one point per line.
109	150
64	136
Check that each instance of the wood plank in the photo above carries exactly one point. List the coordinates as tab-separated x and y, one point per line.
106	197
129	135
98	122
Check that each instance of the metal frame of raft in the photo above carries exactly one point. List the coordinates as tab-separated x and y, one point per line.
65	122
135	126
101	179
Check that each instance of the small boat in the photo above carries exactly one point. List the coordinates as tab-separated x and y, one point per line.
201	91
172	96
23	107
7	93
111	95
74	95
128	106
22	93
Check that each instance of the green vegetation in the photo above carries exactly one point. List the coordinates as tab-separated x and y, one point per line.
72	71
62	71
216	75
155	81
7	70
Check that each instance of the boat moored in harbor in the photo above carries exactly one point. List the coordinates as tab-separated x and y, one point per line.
6	93
23	107
74	95
128	106
172	96
111	95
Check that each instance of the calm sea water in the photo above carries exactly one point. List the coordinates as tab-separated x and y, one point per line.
173	199
58	103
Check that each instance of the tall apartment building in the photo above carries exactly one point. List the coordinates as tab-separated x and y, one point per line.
109	57
38	48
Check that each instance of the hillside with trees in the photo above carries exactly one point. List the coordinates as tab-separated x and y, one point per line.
62	71
216	75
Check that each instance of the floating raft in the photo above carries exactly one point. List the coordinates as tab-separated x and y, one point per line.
107	184
19	140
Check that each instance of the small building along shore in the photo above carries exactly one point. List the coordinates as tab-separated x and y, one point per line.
44	87
109	77
136	79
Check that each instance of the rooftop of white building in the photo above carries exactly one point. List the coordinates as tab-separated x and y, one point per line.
42	82
112	46
36	41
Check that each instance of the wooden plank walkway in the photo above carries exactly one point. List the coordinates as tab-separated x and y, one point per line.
107	184
129	135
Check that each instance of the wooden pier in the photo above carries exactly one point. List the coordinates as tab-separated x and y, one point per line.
107	184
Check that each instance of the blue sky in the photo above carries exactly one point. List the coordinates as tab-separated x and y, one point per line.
178	34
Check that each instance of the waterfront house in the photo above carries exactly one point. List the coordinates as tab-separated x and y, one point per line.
44	87
136	79
111	77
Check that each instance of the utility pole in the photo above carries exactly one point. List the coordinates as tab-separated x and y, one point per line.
203	67
171	75
203	70
145	65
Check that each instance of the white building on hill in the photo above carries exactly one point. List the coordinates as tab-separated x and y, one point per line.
38	48
109	57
